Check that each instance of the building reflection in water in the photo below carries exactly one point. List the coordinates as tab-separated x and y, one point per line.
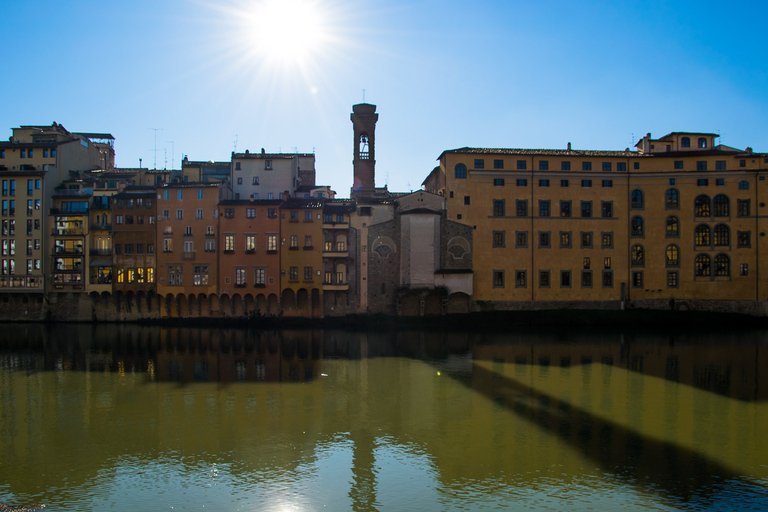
679	415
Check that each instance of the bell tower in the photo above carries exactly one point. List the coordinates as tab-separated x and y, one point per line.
364	119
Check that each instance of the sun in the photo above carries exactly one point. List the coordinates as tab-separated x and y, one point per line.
286	32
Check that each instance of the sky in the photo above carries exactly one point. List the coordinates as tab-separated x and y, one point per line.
203	78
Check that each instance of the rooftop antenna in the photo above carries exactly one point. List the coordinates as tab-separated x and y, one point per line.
173	158
155	150
633	140
165	154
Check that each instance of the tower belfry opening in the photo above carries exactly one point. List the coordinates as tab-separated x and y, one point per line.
364	119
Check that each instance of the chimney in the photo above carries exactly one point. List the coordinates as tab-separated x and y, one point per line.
262	151
569	146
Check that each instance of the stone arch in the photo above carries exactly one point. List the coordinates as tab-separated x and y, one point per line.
383	247
261	304
458	303
288	302
171	309
117	298
214	305
273	305
129	302
303	305
249	304
184	306
203	305
225	305
317	303
433	304
458	247
410	305
237	305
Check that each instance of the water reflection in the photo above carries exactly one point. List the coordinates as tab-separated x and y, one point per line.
474	420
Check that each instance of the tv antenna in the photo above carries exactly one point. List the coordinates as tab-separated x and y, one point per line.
155	150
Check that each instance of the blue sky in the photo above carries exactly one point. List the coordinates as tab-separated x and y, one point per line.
444	74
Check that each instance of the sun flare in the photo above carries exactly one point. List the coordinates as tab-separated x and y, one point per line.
286	31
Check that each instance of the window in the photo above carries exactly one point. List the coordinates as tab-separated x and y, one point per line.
586	166
210	246
672	255
606	240
294	242
521	165
721	206
543	183
565	208
586	183
255	180
240	277
607	278
466	199
229	243
636	199
543	165
701	206
479	163
543	278
520	279
722	265
498	207
260	276
564	183
544	239
722	235
200	277
702	236
742	163
702	142
622	166
607	166
271	243
673	279
743	185
522	182
565	239
565	279
637	226
685	142
672	199
307	241
250	213
521	208
565	166
271	213
239	181
743	269
250	243
637	255
498	164
179	194
308	274
607	183
498	279
175	275
293	274
308	216
606	209
701	265
179	214
720	165
544	208
586	239
498	182
678	164
498	238
701	165
586	208
168	245
586	279
637	279
521	239
743	239
673	226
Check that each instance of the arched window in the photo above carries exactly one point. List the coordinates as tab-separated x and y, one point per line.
701	265
702	142
701	206
722	235
637	226
460	171
702	236
721	205
673	254
636	198
672	199
685	142
722	265
638	255
673	226
743	185
363	149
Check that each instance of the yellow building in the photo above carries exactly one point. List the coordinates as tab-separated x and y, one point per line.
301	256
676	218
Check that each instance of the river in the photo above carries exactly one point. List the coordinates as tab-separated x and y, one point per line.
126	417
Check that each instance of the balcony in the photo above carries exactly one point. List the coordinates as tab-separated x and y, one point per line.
100	252
68	232
335	287
331	250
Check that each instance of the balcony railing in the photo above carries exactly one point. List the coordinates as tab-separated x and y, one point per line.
101	252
